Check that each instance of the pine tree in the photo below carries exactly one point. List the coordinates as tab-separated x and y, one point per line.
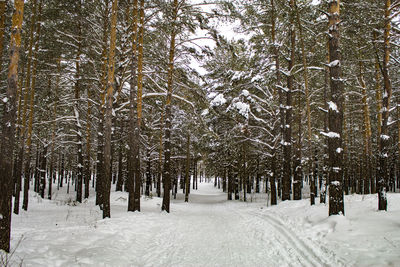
106	183
133	138
336	205
168	111
8	128
387	93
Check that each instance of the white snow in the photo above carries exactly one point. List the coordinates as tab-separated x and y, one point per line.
331	134
218	100
207	231
205	112
336	183
334	63
332	106
242	108
315	2
5	99
363	237
285	143
212	95
245	92
385	137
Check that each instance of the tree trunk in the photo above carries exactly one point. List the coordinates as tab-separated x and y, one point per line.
278	87
88	172
384	137
120	180
132	109
336	205
53	134
22	129
31	111
325	172
367	132
100	130
138	175
258	175
159	176
272	179
36	169
187	173
230	183
78	126
297	168
42	172
106	185
3	15
308	113
148	174
8	128
287	130
168	111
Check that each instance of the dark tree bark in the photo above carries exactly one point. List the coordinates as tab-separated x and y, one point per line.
230	183
22	128
258	176
325	168
54	126
120	180
78	126
31	111
62	170
42	172
106	187
336	205
297	167
88	172
168	111
8	128
187	172
148	174
3	15
100	173
132	166
272	179
236	187
159	175
287	126
384	137
138	175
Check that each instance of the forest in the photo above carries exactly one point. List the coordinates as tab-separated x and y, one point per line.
267	100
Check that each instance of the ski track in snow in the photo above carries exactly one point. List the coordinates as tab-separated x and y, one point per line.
208	231
305	255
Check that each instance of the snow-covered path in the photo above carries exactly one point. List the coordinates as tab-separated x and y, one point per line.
208	231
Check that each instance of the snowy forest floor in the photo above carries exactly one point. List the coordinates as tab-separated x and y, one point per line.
207	231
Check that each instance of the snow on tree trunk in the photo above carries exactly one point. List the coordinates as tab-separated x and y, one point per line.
384	137
78	126
336	205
